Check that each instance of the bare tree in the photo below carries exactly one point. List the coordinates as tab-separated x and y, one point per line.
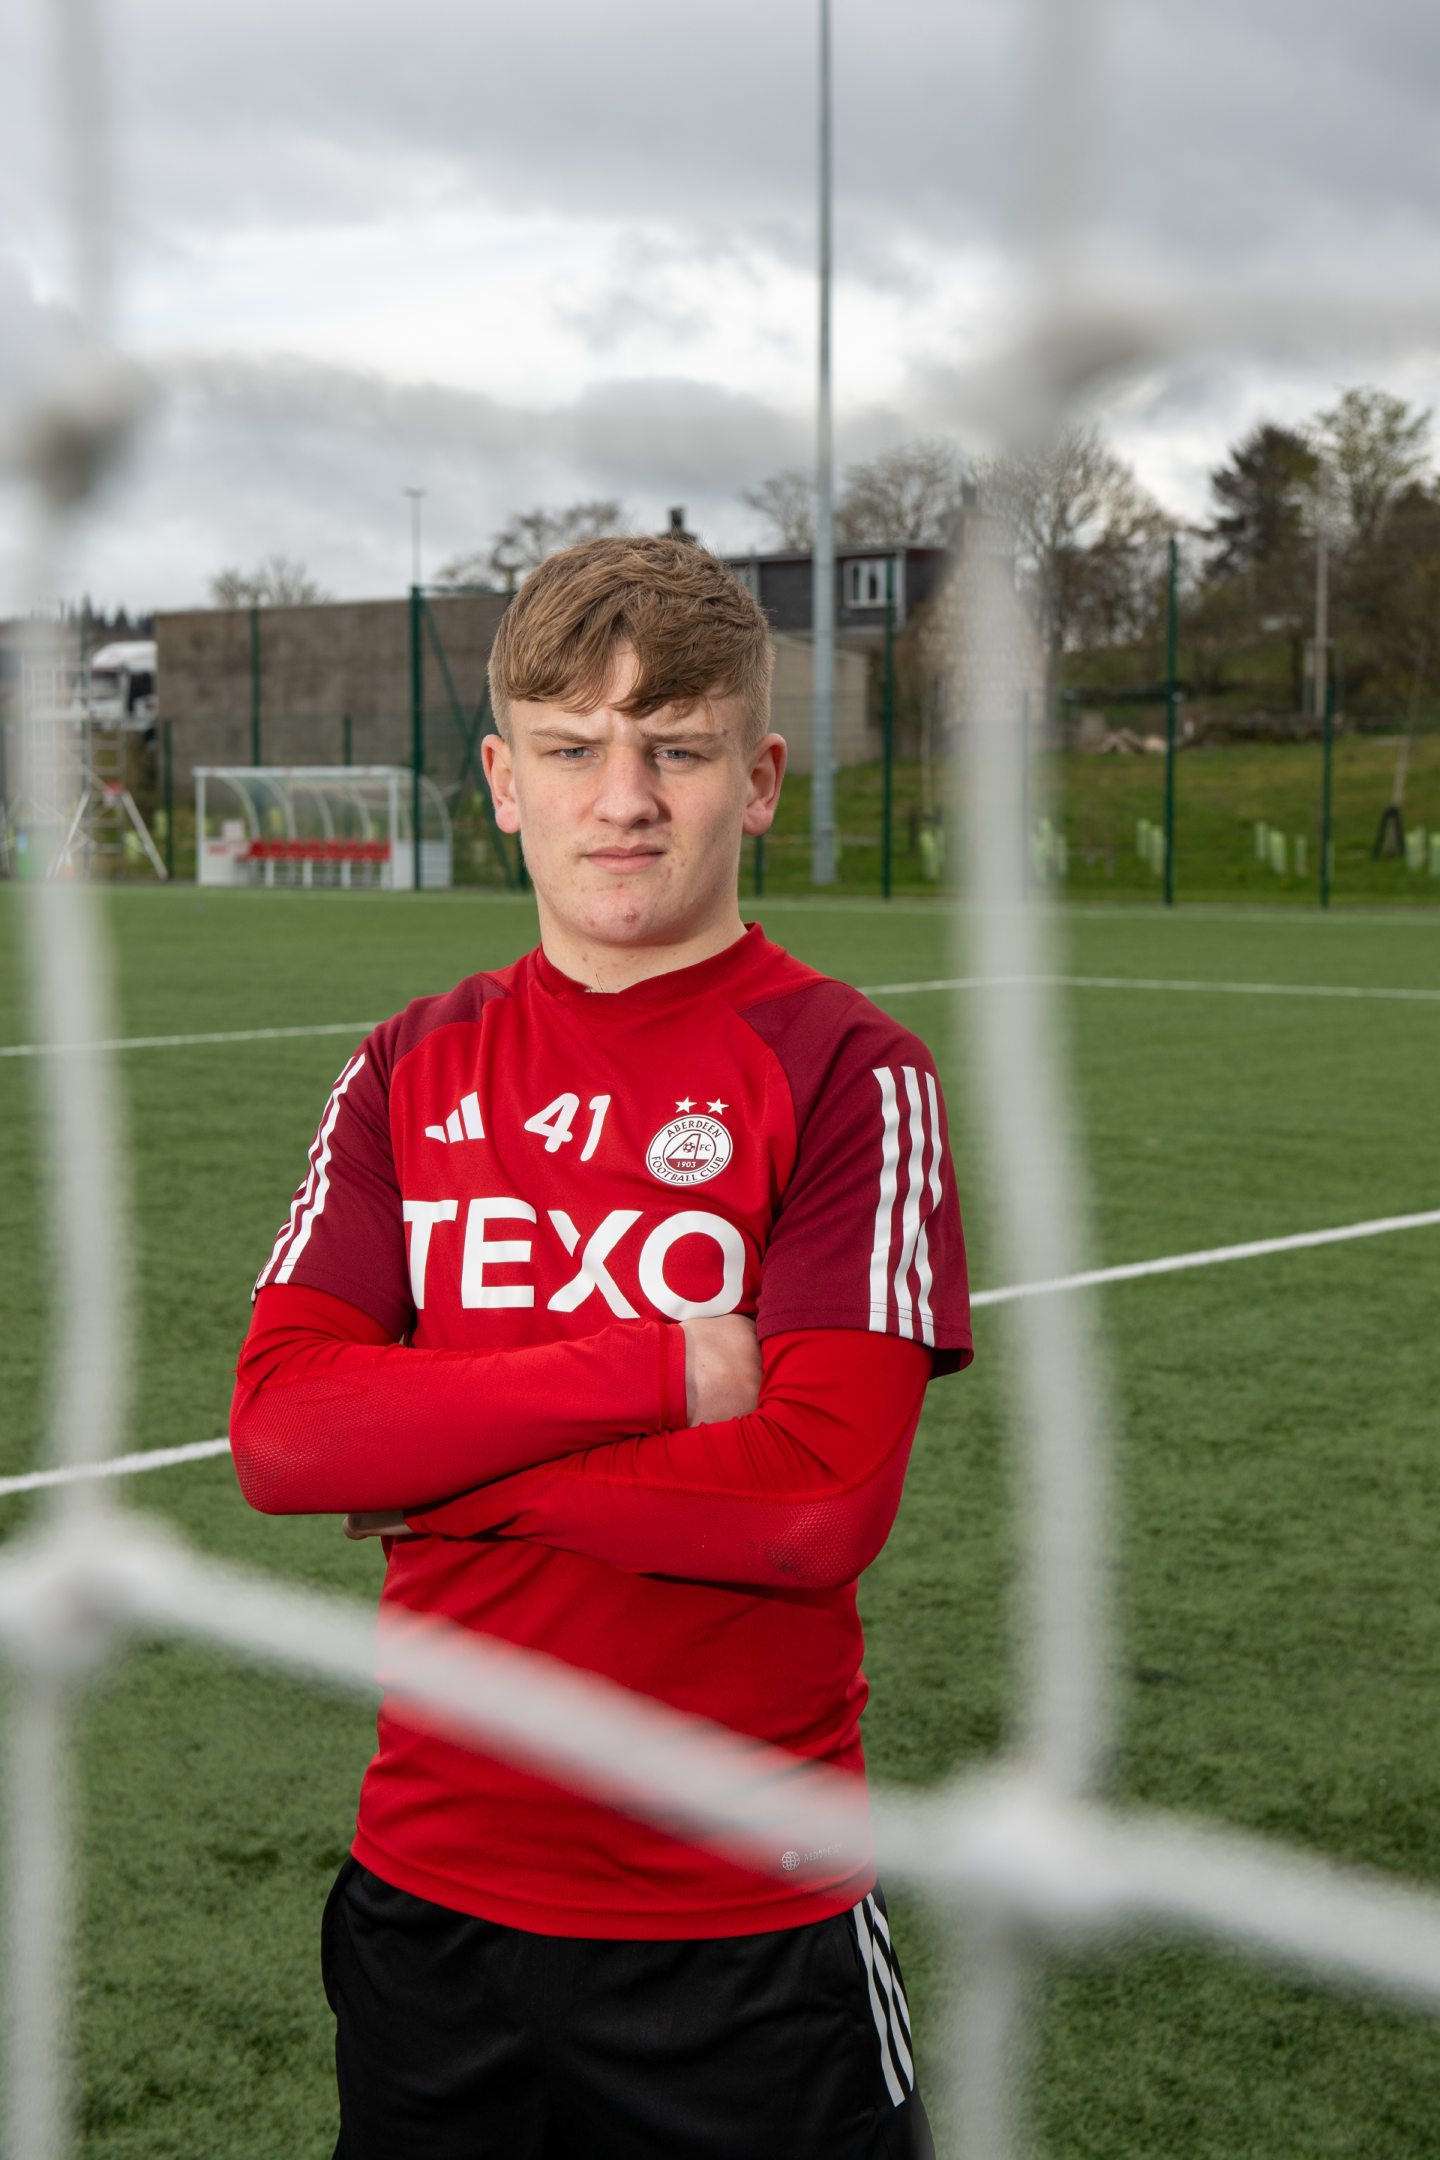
787	503
909	496
277	582
531	536
1088	539
906	497
1407	602
1373	445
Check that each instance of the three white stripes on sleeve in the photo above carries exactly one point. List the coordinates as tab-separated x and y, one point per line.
920	1112
888	2006
309	1203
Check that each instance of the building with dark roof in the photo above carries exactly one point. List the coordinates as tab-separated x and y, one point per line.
784	586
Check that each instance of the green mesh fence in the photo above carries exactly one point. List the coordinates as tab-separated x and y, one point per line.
1249	818
1096	822
450	718
1246	779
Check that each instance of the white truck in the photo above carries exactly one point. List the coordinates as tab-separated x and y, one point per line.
121	685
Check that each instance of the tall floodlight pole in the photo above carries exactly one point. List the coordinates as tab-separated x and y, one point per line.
822	785
417	496
1322	597
1172	669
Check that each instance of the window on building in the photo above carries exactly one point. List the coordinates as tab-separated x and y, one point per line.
864	585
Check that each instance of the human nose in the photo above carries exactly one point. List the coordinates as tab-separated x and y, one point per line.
627	793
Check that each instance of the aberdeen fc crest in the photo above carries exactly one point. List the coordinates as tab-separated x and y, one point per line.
689	1150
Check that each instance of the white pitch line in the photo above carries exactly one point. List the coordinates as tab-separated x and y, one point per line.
116	1466
1091	1279
358	1028
1212	1256
1155	982
354	1028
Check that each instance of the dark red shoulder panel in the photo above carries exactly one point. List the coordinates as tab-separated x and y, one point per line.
868	1231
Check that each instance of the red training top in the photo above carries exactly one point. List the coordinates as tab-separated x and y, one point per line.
507	1181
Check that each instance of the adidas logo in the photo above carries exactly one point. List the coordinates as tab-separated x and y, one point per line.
463	1123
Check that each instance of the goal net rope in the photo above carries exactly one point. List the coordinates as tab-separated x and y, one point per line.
1024	1857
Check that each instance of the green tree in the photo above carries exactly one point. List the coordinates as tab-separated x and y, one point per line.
1260	575
1264	494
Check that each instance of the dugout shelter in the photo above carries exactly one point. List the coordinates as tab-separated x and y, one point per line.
338	826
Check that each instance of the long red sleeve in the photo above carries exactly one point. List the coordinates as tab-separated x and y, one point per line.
800	1494
330	1414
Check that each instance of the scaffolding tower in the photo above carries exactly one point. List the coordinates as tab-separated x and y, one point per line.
77	816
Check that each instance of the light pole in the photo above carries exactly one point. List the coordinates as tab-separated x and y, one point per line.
1172	669
822	782
417	496
1322	595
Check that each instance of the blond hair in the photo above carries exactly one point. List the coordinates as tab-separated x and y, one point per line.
694	630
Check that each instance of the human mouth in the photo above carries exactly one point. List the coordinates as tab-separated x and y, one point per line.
623	859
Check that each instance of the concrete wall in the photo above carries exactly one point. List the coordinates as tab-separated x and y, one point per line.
316	665
857	741
319	663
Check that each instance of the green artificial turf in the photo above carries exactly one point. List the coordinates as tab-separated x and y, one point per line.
1277	1507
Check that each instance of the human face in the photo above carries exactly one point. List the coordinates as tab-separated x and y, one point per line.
632	825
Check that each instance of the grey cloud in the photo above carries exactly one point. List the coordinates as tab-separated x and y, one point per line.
635	292
1245	136
1232	129
1250	128
619	430
250	457
34	334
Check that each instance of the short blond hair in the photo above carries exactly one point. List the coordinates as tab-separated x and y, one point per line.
694	630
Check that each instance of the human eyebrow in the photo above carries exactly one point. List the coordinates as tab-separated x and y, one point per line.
557	732
678	734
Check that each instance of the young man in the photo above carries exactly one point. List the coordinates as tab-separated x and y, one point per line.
513	1315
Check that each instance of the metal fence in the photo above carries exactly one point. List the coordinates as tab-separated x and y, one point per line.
1125	817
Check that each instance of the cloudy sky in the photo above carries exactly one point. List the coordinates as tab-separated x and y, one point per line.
526	254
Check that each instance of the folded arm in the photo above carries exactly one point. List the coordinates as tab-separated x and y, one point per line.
799	1494
331	1414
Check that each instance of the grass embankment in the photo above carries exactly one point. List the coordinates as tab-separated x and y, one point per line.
1097	802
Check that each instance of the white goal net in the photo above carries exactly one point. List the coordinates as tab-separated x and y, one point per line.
1026	1857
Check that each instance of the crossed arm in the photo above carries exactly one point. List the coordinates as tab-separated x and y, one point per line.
796	1488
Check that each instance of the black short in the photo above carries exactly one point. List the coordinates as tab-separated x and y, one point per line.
458	2039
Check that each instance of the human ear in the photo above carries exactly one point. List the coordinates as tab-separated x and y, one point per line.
500	777
767	770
